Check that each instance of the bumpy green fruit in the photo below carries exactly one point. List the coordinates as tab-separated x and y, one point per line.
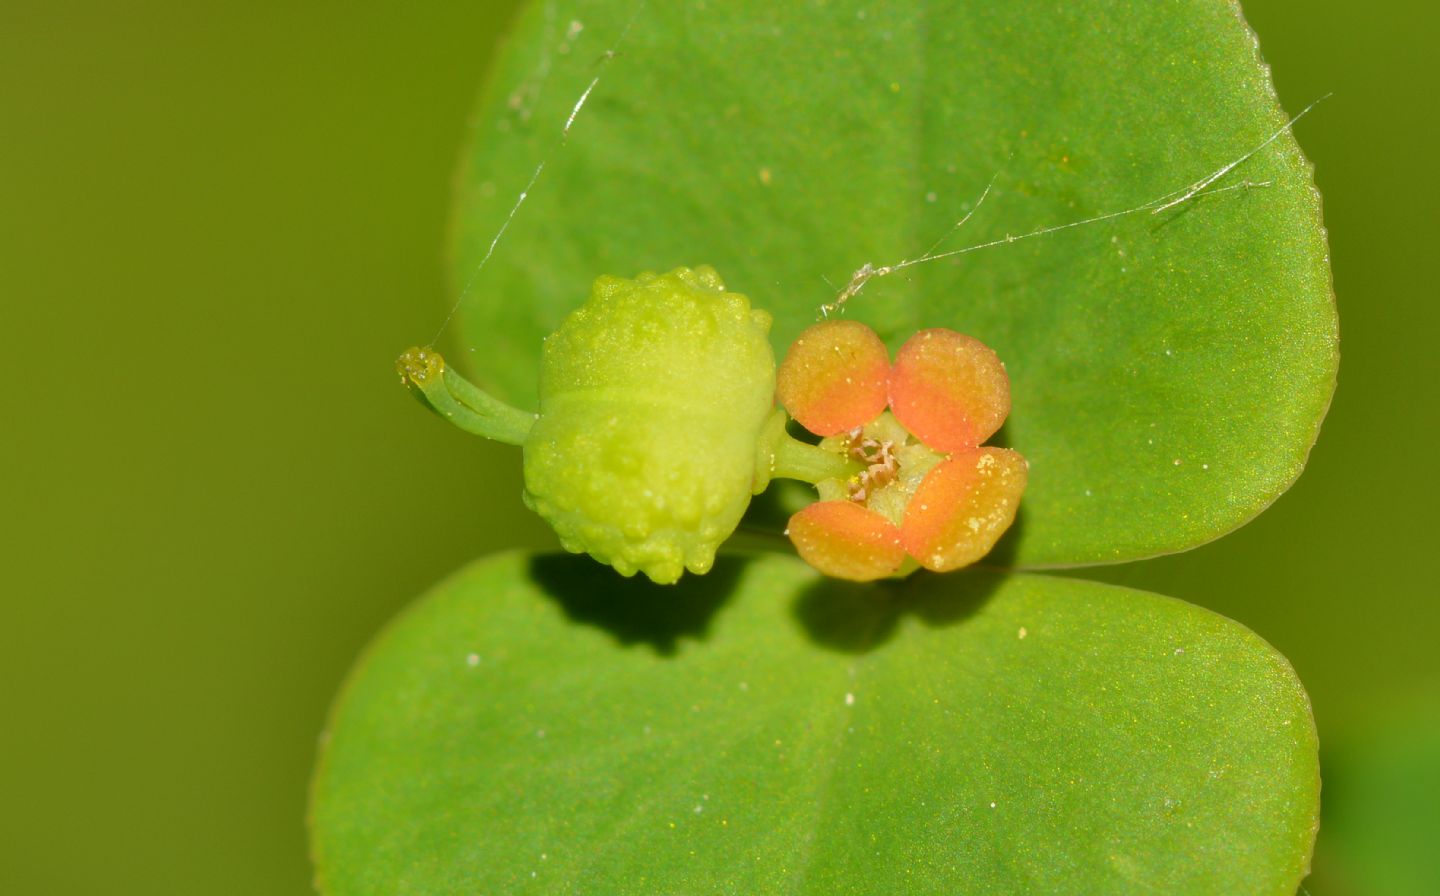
652	397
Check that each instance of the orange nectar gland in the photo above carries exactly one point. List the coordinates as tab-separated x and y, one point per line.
928	493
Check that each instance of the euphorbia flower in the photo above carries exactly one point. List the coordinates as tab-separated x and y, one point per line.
657	423
930	494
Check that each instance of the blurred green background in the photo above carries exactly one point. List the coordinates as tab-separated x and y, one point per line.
219	225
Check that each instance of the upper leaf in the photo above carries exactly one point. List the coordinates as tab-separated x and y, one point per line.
1168	371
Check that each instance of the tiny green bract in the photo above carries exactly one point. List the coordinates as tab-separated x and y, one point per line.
658	422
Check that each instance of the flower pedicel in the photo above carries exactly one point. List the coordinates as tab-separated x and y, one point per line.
657	423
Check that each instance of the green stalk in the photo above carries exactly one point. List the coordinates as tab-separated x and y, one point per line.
780	456
460	401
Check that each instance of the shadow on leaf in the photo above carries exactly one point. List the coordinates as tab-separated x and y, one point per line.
852	617
636	610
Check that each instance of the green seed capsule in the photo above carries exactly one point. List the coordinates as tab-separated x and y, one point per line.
657	421
652	397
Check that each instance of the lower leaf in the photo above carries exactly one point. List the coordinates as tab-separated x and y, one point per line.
540	725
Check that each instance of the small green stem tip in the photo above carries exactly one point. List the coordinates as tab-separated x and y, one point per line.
780	456
460	401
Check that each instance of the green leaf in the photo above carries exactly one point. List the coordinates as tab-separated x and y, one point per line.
1170	370
541	726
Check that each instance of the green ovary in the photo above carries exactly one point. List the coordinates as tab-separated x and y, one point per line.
652	396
